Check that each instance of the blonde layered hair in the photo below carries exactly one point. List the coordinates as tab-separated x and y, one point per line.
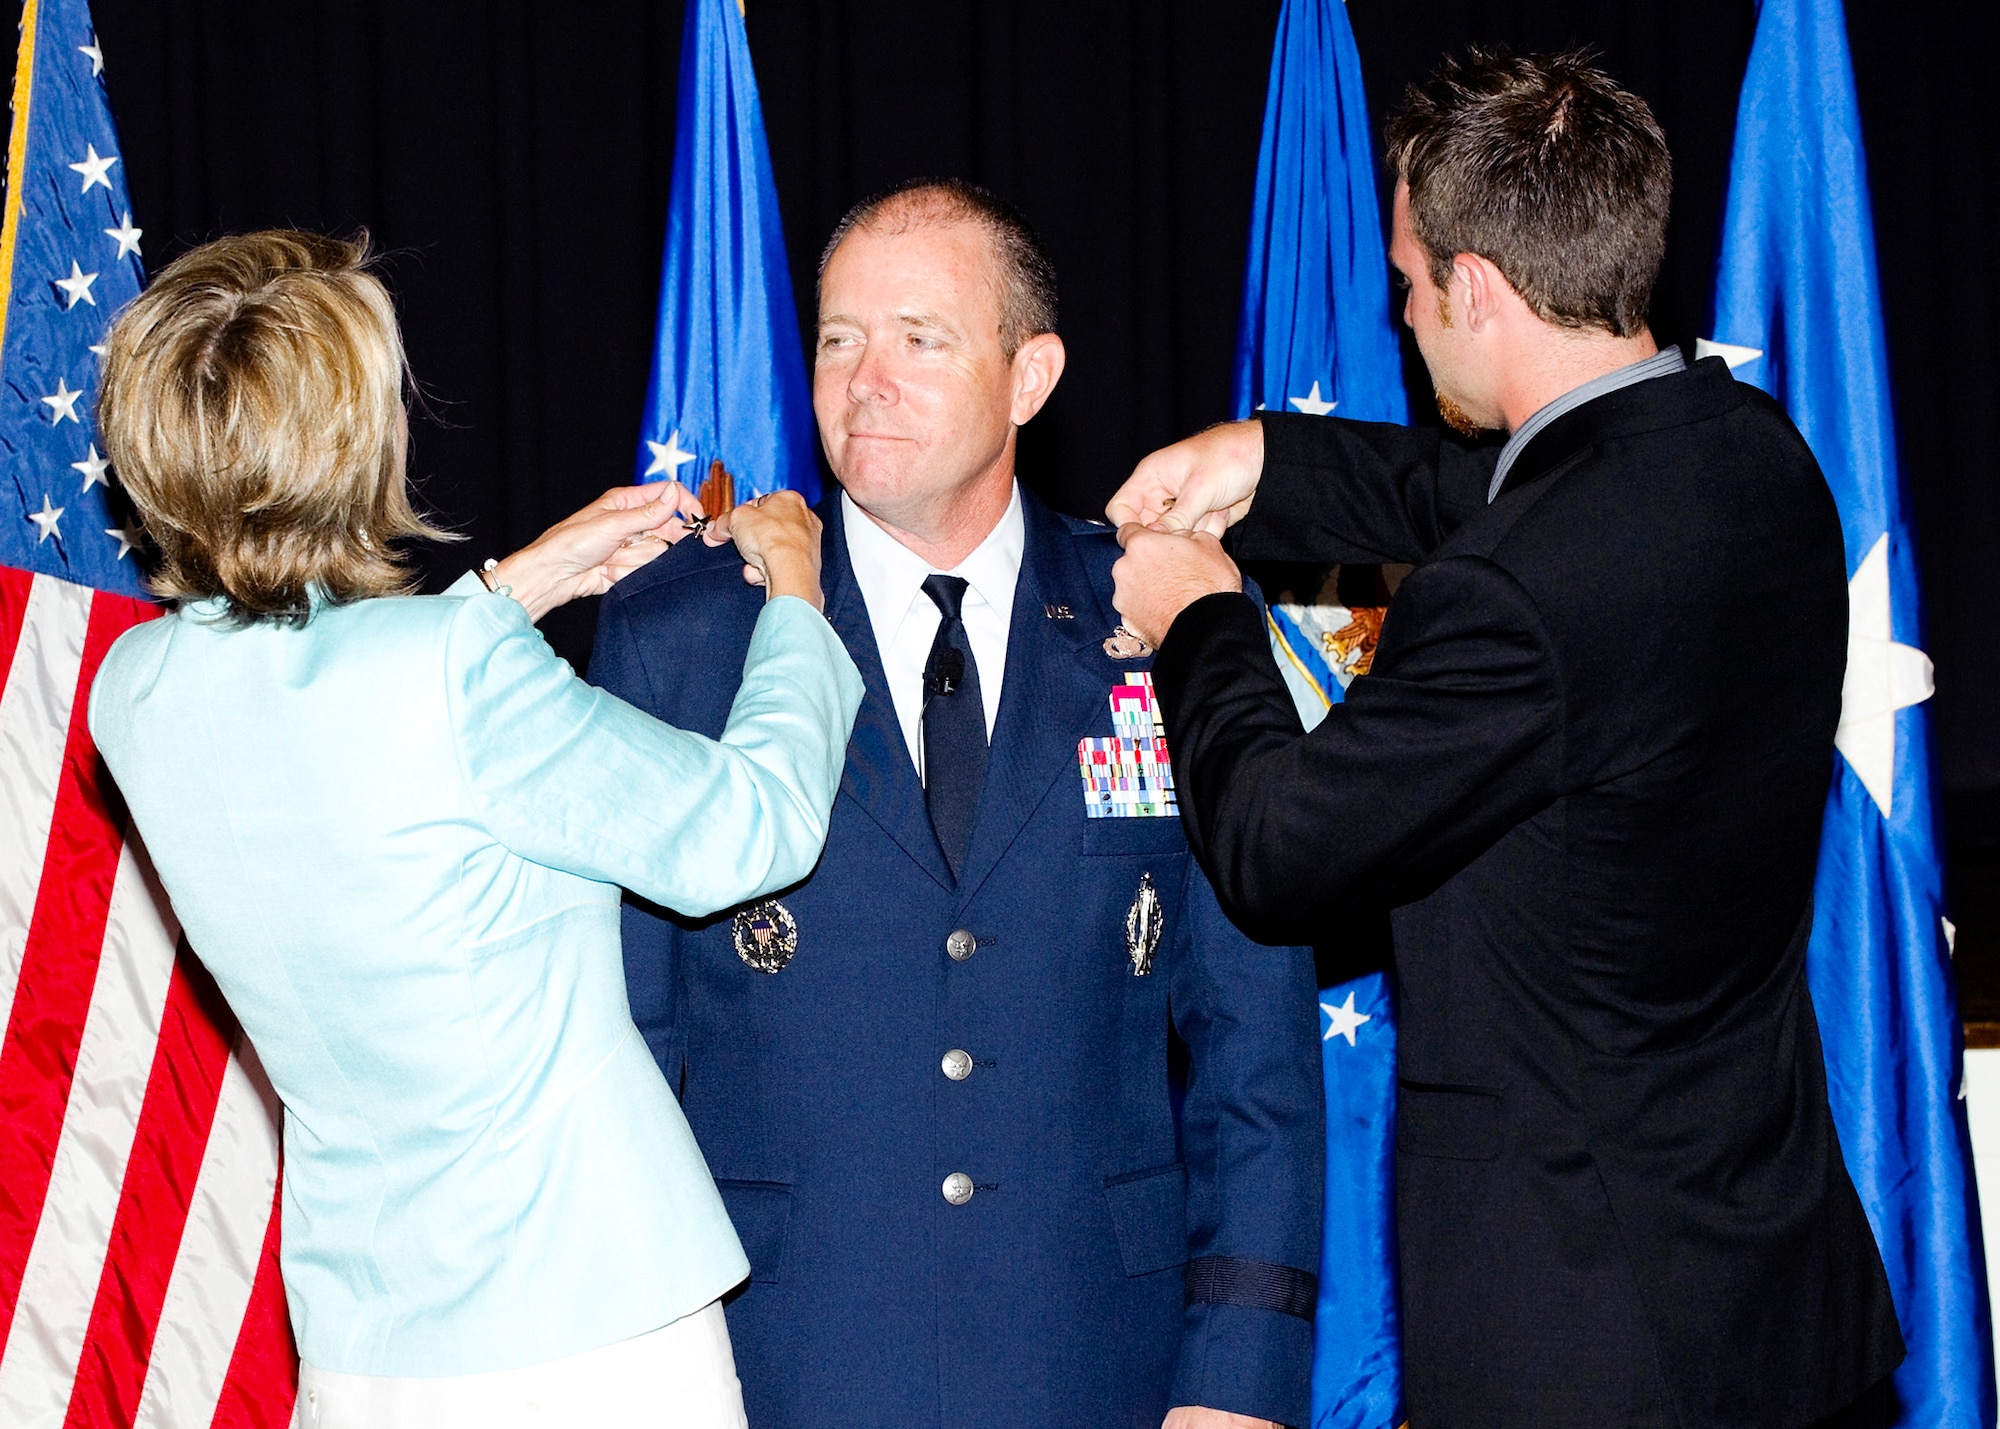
252	403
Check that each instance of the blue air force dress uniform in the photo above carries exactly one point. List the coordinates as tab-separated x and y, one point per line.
936	1090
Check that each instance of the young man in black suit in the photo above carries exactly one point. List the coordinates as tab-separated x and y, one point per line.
1586	774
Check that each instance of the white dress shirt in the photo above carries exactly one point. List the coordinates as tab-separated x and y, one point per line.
905	620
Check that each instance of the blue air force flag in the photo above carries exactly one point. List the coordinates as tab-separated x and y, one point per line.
69	259
729	380
1797	314
1316	337
1316	334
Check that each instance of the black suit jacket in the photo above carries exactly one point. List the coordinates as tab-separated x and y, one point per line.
1587	774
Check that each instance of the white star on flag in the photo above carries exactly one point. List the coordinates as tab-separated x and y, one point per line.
668	458
93	468
127	235
100	349
62	405
1342	1020
46	518
1311	403
96	57
1729	352
1882	677
127	539
76	286
94	169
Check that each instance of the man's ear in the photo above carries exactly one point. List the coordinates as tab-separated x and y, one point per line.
1038	366
1482	287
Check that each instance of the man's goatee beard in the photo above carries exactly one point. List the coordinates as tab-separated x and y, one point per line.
1457	418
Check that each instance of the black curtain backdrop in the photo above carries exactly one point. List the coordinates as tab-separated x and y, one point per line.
513	158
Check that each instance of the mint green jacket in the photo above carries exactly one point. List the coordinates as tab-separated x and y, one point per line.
396	837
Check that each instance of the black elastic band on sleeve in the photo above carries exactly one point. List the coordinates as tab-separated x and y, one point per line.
1258	1284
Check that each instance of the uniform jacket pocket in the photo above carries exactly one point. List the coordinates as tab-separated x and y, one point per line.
762	1214
1149	1215
1111	837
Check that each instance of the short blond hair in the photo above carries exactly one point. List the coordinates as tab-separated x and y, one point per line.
252	404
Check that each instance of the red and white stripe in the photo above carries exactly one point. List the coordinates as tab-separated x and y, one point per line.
138	1137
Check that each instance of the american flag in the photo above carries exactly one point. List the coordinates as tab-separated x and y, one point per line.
138	1138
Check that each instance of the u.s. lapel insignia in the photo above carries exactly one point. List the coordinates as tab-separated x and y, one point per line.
765	935
1123	644
1058	612
1142	926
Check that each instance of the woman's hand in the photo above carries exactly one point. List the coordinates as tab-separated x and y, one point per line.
593	550
778	537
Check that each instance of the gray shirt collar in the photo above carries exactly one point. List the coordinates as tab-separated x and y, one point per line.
1663	363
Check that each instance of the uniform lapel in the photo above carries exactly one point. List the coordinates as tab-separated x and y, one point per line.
1052	686
879	775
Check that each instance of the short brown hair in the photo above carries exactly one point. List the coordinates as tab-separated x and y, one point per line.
1027	278
252	403
1543	165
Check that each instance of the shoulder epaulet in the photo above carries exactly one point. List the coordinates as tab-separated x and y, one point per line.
690	559
1082	527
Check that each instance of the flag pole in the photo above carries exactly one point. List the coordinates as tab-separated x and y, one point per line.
17	157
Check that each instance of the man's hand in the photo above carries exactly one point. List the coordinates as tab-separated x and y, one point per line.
1187	1417
1162	573
1205	483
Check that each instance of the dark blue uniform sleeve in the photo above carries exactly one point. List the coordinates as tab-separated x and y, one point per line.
652	940
1254	1138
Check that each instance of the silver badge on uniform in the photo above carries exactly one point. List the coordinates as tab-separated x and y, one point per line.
766	935
1142	927
1123	644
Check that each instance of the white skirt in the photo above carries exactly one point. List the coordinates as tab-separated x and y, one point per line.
681	1376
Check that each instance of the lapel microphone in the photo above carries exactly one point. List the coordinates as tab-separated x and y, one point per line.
946	673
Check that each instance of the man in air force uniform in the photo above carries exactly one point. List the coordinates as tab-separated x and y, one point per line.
934	1080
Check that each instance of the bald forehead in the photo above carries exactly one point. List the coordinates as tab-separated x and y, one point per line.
920	208
909	214
946	271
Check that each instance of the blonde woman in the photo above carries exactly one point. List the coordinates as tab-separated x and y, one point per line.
395	829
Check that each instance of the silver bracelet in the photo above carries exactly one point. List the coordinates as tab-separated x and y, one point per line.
486	578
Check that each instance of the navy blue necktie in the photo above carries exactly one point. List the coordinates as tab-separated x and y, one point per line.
954	725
